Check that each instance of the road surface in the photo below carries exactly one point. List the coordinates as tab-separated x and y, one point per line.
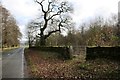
13	63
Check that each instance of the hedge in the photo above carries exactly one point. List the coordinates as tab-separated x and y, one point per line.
64	52
103	52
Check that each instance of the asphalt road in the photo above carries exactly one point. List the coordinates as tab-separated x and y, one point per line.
13	63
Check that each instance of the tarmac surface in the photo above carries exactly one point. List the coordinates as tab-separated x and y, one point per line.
13	63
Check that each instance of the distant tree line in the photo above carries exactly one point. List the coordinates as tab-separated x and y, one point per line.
55	21
99	32
9	28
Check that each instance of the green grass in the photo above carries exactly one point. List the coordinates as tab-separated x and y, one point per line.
49	55
9	49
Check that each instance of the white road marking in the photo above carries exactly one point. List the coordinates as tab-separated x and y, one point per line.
23	63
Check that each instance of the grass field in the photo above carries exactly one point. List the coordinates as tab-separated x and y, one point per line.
9	48
46	64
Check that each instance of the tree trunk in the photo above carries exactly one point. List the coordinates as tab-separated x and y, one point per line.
30	45
42	41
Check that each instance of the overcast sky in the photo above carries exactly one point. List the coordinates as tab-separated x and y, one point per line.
25	10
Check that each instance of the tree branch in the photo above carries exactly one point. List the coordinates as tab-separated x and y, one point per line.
51	32
58	13
41	5
49	6
60	10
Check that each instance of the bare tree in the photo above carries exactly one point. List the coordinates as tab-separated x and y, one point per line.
10	31
55	16
32	33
